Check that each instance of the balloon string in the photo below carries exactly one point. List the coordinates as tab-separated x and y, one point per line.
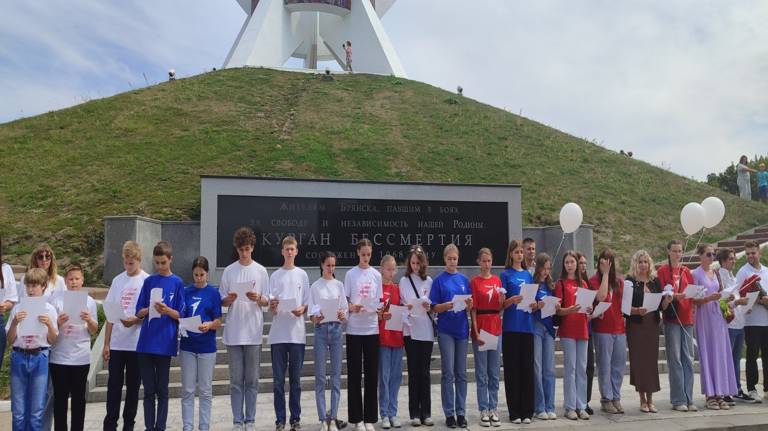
554	258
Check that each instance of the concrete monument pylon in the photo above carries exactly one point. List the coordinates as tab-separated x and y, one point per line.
314	30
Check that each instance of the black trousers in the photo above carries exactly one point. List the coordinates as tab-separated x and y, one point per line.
363	359
154	370
123	368
419	355
590	367
756	338
68	381
517	351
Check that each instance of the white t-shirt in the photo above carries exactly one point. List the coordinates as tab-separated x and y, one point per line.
32	341
729	280
56	286
245	319
288	284
359	285
125	290
759	314
9	292
73	345
420	327
327	289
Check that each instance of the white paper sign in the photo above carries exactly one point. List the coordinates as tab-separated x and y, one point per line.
371	305
35	307
692	291
550	306
329	308
626	298
395	323
751	299
528	291
114	311
490	341
155	296
726	293
651	301
460	302
75	302
287	305
585	298
241	289
417	308
600	309
190	324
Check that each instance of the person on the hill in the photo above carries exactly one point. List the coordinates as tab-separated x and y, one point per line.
742	178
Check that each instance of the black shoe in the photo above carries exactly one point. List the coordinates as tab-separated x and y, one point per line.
450	422
462	421
729	400
295	426
341	424
745	398
589	410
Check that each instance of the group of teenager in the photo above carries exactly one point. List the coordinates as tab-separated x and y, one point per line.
355	312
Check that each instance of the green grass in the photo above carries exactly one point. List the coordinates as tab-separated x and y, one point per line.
143	152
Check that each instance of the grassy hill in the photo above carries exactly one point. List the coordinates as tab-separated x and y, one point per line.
142	153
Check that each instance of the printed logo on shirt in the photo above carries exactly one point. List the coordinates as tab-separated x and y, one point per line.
196	303
127	299
365	288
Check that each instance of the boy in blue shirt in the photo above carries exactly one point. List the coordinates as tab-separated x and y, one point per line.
762	183
157	341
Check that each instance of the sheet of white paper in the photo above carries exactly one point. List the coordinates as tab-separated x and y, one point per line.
371	305
417	308
600	309
692	291
751	299
241	289
726	293
286	305
550	306
191	324
75	302
330	309
626	298
529	297
34	306
651	301
395	323
585	298
491	341
155	296
459	302
114	311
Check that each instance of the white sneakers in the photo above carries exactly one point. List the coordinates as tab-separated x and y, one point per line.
237	427
359	426
385	424
323	426
369	427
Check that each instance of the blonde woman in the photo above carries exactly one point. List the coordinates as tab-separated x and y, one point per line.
43	257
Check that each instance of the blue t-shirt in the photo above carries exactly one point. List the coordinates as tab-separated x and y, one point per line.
206	303
762	178
548	322
443	288
158	336
515	320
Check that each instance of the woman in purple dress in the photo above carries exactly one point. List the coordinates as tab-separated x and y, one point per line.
717	375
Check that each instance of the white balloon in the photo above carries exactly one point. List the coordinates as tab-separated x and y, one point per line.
571	217
692	217
714	211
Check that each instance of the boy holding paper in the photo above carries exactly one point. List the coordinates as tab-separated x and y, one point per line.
29	358
159	331
244	327
287	335
71	355
120	341
391	348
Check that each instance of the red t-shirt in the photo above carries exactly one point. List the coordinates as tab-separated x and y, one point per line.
679	278
388	338
612	321
573	325
486	296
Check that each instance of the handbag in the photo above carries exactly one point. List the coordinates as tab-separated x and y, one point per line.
429	313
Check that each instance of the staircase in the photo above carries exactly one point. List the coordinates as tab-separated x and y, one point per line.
221	374
760	235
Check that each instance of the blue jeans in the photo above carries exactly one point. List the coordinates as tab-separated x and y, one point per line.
678	342
154	370
390	377
611	354
328	340
453	379
487	365
574	373
543	369
29	385
287	357
737	345
196	374
244	364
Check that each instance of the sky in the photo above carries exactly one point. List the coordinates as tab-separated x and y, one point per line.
683	84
